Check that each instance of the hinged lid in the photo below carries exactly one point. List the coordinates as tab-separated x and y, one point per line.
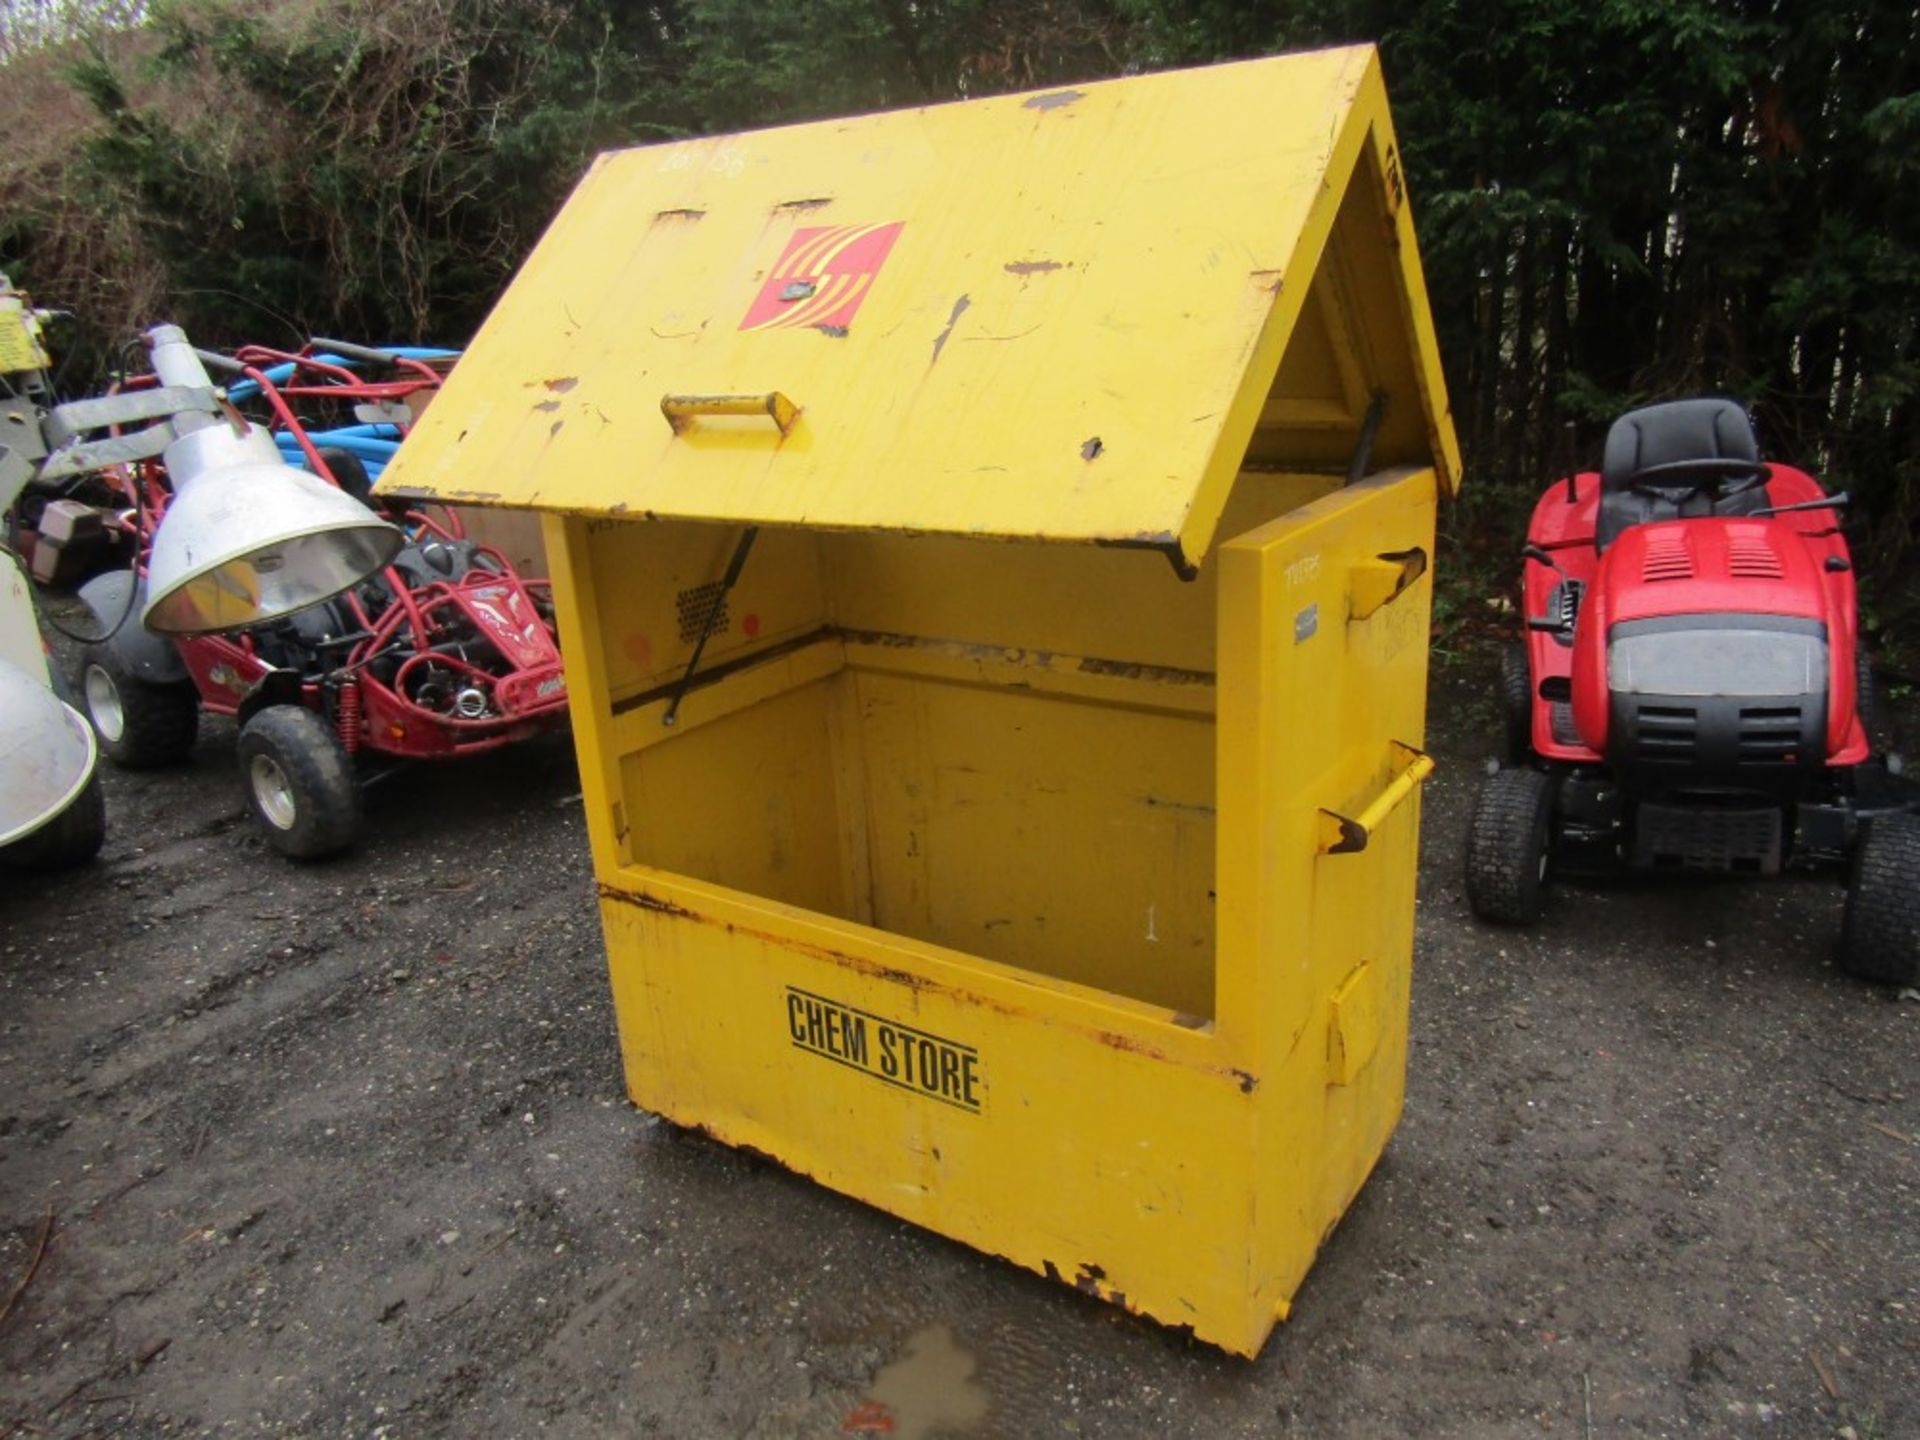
1070	315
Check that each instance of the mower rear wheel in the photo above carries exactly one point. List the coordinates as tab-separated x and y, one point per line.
1516	703
142	725
1880	935
1509	847
299	782
1866	697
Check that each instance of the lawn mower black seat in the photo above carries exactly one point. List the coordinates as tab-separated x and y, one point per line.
1646	476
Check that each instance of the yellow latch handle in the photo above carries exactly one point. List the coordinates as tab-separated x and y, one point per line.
1383	579
1341	835
680	410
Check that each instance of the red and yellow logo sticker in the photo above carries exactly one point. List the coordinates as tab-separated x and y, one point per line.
822	277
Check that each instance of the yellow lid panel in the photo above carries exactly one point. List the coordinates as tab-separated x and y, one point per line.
1047	316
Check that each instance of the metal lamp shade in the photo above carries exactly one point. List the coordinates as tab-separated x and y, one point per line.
247	538
46	753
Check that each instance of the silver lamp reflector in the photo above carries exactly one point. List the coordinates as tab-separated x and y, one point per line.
46	753
248	538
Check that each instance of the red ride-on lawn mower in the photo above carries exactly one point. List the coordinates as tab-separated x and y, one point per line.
444	653
1692	694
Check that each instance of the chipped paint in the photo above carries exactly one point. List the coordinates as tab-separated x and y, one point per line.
940	342
1092	448
1179	807
1053	100
1031	267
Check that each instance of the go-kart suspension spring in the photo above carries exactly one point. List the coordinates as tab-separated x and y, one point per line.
347	717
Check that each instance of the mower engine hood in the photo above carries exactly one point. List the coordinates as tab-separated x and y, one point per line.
1746	611
1711	566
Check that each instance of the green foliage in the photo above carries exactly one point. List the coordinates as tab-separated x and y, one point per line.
1619	200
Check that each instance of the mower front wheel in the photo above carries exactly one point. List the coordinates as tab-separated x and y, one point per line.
299	782
1516	703
1508	846
142	725
1880	934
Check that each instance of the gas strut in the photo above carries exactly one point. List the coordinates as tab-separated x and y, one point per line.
711	619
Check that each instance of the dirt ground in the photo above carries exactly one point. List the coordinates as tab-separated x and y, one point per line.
342	1150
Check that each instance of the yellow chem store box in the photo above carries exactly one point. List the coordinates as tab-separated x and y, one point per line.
992	549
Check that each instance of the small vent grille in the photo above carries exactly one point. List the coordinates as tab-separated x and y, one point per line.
697	605
1667	558
1750	557
1664	731
1568	593
1560	717
1769	734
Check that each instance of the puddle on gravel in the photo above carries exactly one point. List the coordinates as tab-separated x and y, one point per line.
929	1391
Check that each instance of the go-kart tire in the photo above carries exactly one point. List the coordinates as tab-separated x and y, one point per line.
1509	847
1880	933
299	782
1516	703
141	725
349	472
71	838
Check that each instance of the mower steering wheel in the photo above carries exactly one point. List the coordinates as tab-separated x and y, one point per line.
1697	474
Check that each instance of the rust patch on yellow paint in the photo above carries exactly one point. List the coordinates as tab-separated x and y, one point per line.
1154	674
640	899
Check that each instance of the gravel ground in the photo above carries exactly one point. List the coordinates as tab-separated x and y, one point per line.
342	1150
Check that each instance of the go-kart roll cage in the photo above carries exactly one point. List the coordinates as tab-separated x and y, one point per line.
277	378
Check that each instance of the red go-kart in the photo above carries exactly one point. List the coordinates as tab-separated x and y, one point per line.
1692	694
447	652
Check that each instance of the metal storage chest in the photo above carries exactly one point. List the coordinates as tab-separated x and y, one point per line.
991	545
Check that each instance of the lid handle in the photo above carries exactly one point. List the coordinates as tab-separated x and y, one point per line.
681	410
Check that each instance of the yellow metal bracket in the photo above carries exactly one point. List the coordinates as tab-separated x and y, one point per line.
1343	835
681	410
1382	579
